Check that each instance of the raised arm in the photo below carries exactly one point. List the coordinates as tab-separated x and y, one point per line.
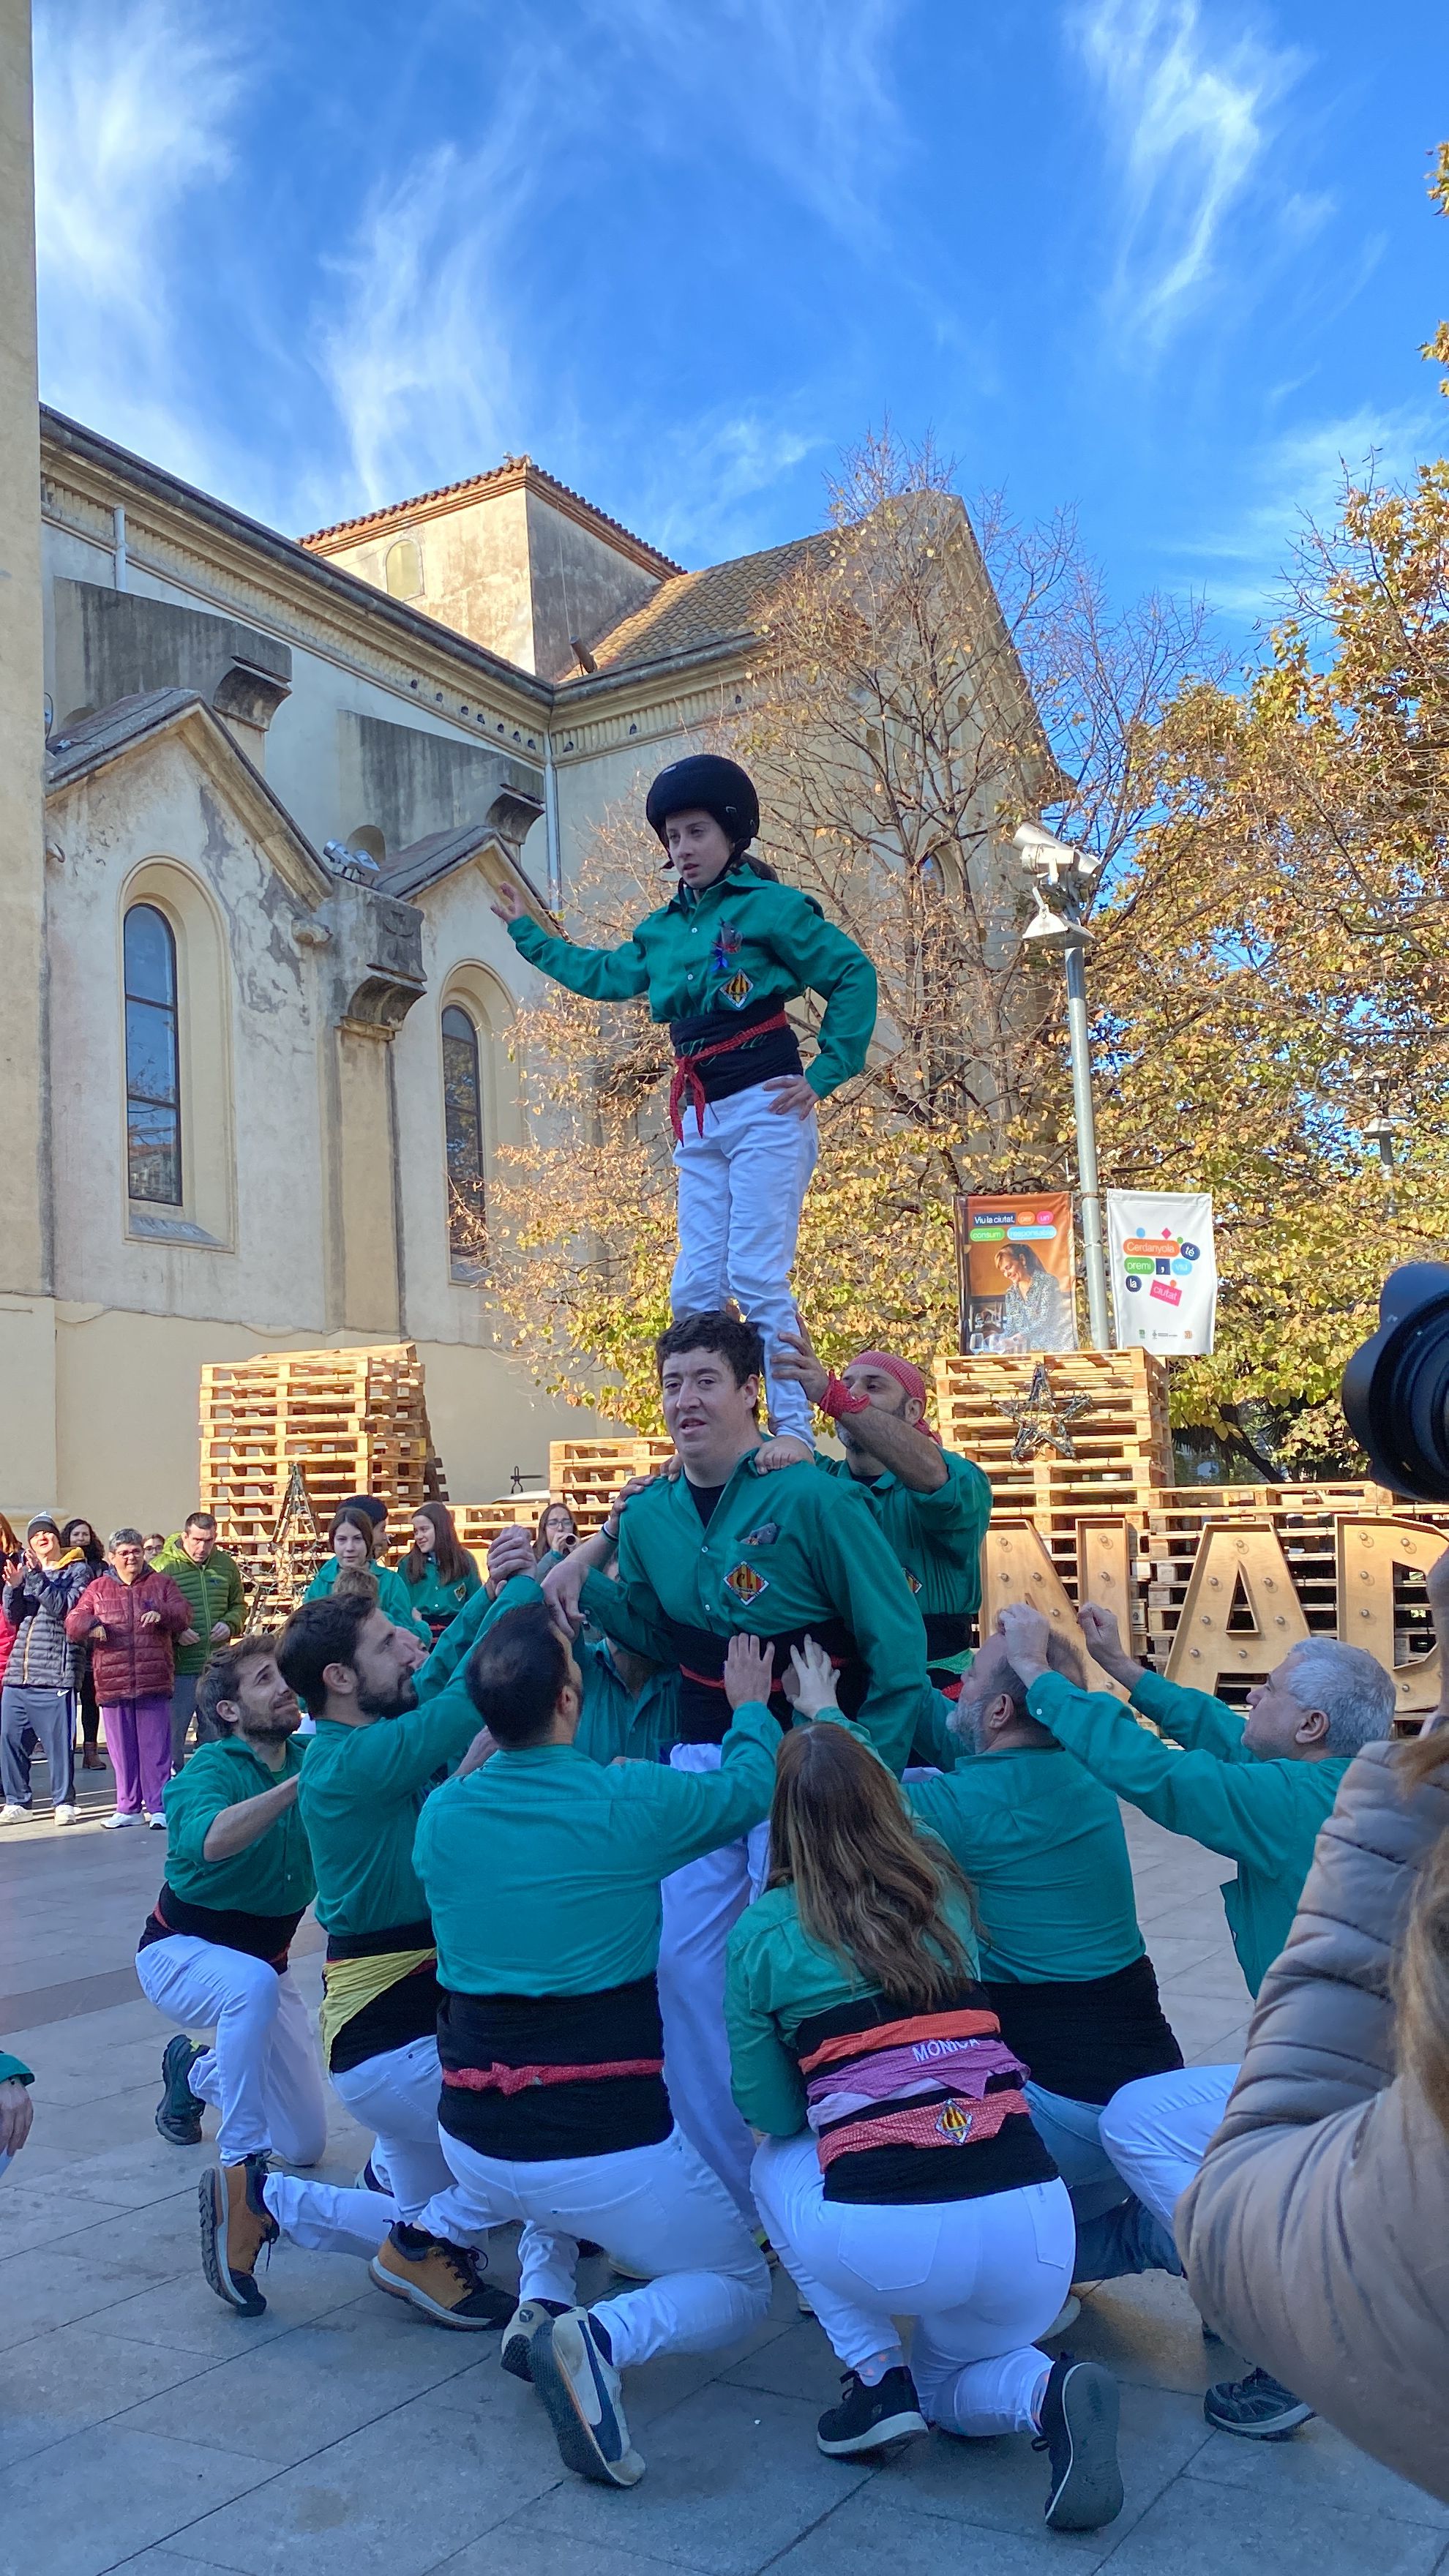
602	974
865	1584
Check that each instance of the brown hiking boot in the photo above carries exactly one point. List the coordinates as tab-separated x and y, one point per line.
235	2225
441	2280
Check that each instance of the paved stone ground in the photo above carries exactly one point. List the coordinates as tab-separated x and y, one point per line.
143	2426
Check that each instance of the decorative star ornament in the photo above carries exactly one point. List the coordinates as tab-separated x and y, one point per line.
1042	1417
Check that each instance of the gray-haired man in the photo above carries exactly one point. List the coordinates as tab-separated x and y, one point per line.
1255	1788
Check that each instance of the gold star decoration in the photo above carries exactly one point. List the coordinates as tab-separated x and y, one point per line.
1042	1417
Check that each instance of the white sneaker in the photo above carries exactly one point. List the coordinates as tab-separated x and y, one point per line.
111	1822
14	1815
67	1814
157	1824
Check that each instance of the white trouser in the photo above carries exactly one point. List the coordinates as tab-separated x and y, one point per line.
396	2094
701	1904
1156	2131
981	2277
659	2209
328	2219
742	1184
261	2072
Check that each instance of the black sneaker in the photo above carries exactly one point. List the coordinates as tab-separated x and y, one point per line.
178	2113
870	2419
1079	2435
1258	2408
369	2179
520	2330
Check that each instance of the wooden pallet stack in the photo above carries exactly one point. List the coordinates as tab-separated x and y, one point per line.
479	1524
355	1421
1122	1447
586	1474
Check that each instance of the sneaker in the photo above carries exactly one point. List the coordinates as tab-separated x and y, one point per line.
67	1812
1259	2408
870	2419
573	2371
520	2330
1079	2435
443	2281
235	2225
371	2180
13	1815
178	2113
121	1817
157	1824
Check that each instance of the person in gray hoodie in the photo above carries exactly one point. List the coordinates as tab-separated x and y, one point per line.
40	1675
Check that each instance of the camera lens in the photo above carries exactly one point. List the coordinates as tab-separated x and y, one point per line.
1396	1388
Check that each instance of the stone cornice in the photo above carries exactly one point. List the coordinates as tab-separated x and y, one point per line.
184	536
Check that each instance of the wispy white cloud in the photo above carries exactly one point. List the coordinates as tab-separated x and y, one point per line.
1190	113
1293	479
135	106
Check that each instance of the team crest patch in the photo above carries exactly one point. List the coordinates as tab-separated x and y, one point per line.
737	991
913	1580
954	2124
746	1584
764	1536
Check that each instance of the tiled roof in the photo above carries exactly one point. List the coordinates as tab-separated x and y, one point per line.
97	738
424	862
716	606
515	473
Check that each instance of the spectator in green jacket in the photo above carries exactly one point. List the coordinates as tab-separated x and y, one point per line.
351	1536
440	1574
210	1582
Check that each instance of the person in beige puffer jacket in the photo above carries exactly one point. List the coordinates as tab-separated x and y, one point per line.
1315	2234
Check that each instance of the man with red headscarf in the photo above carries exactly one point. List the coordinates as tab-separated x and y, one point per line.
932	1504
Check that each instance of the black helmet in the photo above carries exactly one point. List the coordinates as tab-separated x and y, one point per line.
713	786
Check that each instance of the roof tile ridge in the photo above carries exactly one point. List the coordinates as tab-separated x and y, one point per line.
522	467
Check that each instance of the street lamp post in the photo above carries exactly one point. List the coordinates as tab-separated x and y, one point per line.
1068	871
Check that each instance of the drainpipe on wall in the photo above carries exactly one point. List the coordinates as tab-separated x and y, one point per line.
118	545
550	825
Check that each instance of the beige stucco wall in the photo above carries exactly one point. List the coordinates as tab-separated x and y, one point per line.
125	1414
24	1235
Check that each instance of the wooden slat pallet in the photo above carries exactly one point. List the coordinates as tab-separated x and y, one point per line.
1120	1439
586	1474
355	1421
479	1524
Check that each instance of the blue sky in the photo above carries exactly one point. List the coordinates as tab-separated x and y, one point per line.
1166	260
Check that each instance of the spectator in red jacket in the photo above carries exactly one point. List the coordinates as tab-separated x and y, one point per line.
132	1618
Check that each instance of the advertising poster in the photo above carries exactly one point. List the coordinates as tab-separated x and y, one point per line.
1164	1273
1014	1258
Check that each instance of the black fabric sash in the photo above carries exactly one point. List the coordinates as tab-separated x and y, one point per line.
591	2117
1083	2037
722	1076
704	1711
261	1936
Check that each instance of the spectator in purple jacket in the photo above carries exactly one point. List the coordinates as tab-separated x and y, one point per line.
132	1618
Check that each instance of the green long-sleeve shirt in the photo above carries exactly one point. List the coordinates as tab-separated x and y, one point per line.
542	1869
1042	1844
392	1595
1264	1815
741	940
213	1594
614	1722
782	1551
274	1875
937	1536
363	1788
433	1599
777	1977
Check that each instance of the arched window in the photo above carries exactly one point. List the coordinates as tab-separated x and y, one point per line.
153	1083
403	569
463	1125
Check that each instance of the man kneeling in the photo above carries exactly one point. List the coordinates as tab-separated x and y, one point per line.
542	1872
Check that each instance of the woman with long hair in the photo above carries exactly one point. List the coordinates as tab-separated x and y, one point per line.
80	1533
352	1535
556	1537
438	1571
899	2173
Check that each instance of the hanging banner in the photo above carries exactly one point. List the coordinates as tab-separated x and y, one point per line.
1014	1261
1164	1272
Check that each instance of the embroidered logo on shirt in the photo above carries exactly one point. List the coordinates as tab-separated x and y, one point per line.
954	2125
737	991
726	948
746	1584
764	1536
